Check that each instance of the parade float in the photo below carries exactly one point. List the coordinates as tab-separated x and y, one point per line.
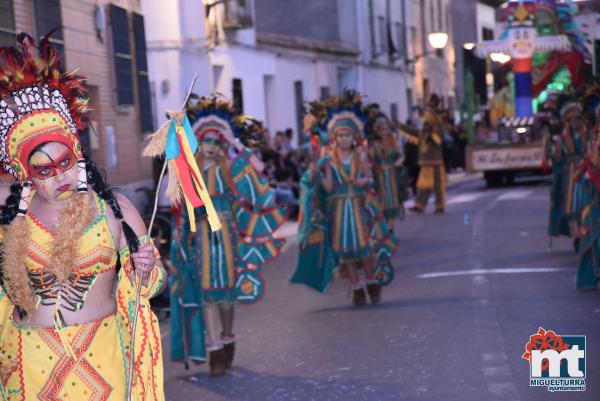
546	49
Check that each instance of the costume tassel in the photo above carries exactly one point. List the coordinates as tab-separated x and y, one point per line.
180	146
82	177
25	199
157	141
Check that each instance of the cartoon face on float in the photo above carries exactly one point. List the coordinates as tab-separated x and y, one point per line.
522	42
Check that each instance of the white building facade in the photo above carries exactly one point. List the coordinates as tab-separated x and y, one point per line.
271	57
433	72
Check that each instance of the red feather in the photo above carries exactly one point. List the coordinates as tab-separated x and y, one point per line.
25	67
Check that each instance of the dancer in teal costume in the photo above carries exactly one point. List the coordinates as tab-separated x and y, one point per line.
216	269
589	247
342	221
317	262
388	171
589	179
567	146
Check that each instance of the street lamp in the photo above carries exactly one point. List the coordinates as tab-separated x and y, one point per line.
437	40
501	58
469	46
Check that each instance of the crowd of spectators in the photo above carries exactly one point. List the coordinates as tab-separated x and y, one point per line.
284	165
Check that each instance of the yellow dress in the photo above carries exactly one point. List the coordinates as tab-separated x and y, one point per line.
82	361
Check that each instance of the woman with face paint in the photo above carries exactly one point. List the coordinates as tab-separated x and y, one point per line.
571	145
217	269
389	172
350	222
72	251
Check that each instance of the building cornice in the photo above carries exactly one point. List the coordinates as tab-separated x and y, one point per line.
174	44
300	43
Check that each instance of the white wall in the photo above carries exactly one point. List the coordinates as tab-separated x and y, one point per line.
252	65
175	41
486	18
385	87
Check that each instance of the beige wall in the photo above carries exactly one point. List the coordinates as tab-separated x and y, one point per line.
94	59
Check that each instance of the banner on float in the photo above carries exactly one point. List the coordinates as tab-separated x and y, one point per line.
506	158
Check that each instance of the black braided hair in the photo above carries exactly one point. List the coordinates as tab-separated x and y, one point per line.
7	214
96	178
11	208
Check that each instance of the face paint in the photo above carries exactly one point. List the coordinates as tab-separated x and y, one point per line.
53	171
211	141
210	145
42	166
344	139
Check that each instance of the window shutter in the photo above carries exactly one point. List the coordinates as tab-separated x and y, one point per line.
141	63
47	19
7	23
238	95
121	55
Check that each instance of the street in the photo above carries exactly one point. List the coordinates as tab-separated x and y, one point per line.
471	286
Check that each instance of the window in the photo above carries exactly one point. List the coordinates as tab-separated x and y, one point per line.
394	113
374	43
423	28
122	55
7	23
401	40
141	65
409	102
238	95
325	92
448	15
431	16
487	34
401	33
48	18
597	56
299	97
383	35
413	39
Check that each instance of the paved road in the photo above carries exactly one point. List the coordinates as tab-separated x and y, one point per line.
470	290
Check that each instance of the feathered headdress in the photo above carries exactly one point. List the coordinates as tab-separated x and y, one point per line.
340	113
215	113
374	124
39	103
178	139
